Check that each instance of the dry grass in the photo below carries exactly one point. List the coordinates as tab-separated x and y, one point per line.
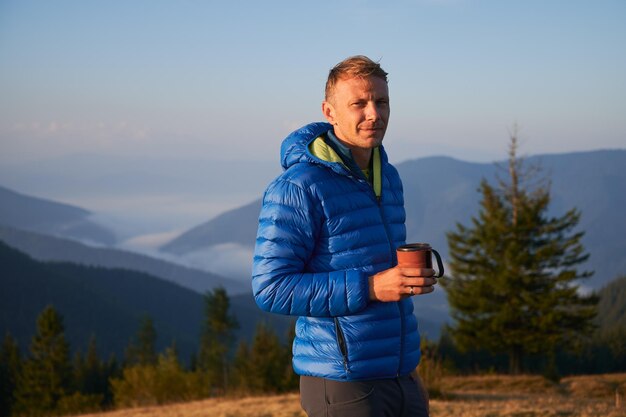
530	396
475	396
287	405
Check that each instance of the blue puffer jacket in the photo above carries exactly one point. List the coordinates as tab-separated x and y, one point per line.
321	234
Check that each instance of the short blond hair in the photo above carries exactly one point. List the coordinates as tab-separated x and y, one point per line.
354	66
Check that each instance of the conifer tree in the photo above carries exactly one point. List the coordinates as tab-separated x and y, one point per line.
46	374
218	336
143	350
10	368
267	361
291	380
90	372
242	367
265	366
112	369
514	286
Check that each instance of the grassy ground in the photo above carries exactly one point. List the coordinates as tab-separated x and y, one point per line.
530	396
474	396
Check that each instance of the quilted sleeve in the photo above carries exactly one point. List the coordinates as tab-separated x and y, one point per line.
288	226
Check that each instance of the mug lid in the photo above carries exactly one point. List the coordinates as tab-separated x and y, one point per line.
410	247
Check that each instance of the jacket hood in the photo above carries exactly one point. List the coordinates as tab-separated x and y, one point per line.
295	146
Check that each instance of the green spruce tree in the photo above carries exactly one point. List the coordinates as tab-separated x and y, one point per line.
291	381
90	372
46	376
242	368
142	351
10	368
268	360
112	369
514	286
218	336
265	366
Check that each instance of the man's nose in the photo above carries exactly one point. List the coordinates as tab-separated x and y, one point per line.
371	112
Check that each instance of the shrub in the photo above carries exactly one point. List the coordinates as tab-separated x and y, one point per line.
162	383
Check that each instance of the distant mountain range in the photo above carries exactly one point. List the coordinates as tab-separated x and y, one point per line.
48	217
219	230
48	248
139	195
441	191
110	304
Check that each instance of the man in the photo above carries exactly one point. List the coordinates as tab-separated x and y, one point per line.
325	251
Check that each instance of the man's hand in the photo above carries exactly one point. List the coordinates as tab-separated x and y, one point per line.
398	283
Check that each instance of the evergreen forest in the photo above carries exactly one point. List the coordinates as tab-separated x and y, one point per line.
50	376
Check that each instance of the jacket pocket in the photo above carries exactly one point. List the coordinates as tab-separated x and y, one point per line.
341	342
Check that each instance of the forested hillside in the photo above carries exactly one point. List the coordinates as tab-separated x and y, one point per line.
49	248
108	303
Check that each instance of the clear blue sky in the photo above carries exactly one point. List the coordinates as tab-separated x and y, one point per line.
230	79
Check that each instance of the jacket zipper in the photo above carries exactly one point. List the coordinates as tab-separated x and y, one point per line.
393	262
341	341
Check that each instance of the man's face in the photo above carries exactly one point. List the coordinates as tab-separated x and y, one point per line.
358	109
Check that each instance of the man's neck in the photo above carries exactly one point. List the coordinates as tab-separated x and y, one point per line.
361	156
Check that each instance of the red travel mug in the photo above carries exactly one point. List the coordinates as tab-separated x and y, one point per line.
419	255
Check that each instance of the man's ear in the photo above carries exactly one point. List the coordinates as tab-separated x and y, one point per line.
329	112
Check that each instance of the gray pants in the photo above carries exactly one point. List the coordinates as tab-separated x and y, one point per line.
396	397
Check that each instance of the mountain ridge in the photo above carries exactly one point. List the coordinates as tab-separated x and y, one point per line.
36	214
441	191
49	248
